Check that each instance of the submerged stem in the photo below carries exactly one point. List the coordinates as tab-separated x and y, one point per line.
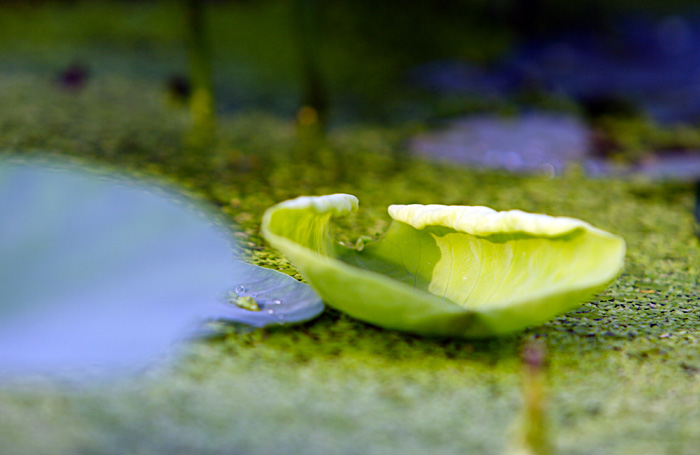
532	437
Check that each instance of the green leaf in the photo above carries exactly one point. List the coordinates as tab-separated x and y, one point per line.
448	270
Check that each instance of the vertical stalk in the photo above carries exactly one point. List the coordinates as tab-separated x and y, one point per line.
314	94
696	207
202	96
532	437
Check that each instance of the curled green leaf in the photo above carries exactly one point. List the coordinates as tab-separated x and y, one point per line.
448	270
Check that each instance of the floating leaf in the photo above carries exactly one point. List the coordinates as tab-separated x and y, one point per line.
448	270
102	270
267	297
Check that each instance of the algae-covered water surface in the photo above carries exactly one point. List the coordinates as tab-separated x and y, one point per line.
621	374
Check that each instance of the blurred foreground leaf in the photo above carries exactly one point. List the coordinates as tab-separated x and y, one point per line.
99	270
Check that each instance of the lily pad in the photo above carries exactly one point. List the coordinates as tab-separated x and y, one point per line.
267	297
448	270
102	270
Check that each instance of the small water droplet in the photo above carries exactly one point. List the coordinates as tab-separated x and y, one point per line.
240	290
270	311
280	317
277	301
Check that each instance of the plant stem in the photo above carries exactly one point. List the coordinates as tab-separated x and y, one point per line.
202	96
532	437
314	94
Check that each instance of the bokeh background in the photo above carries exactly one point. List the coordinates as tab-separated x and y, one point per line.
621	78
